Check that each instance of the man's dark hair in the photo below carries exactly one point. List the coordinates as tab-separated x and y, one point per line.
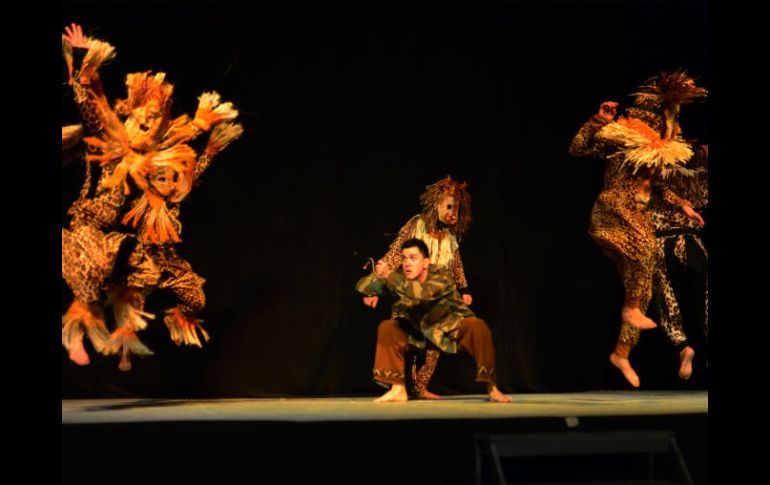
416	243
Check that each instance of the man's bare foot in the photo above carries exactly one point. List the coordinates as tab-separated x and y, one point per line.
685	359
397	393
426	394
78	355
125	362
496	396
625	367
634	317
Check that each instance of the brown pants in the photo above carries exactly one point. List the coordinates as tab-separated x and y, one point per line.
474	337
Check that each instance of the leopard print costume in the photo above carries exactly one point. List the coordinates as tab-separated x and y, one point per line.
676	235
99	223
620	222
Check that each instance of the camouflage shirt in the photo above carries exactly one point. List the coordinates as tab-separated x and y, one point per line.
433	309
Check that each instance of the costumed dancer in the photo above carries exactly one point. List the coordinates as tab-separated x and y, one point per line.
444	220
429	308
138	160
642	150
682	260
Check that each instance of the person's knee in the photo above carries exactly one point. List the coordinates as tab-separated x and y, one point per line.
191	296
479	326
195	299
200	300
386	327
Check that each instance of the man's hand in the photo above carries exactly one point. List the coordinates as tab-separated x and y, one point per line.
607	111
690	212
371	301
74	35
382	269
467	299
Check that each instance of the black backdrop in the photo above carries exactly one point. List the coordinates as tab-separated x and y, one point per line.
350	110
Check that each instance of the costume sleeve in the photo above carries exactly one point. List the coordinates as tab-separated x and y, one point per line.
700	196
458	271
83	65
222	135
670	197
412	292
584	143
370	285
662	189
203	162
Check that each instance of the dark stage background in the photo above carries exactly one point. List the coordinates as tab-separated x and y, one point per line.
350	110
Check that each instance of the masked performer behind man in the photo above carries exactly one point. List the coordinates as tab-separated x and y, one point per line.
444	220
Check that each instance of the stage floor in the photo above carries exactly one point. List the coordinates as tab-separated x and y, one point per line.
466	407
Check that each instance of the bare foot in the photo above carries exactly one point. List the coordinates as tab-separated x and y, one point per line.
685	359
635	318
496	396
397	393
426	394
625	367
78	355
125	362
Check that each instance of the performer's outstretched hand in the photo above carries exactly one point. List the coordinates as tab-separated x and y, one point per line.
607	111
382	269
690	212
371	300
74	35
467	299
